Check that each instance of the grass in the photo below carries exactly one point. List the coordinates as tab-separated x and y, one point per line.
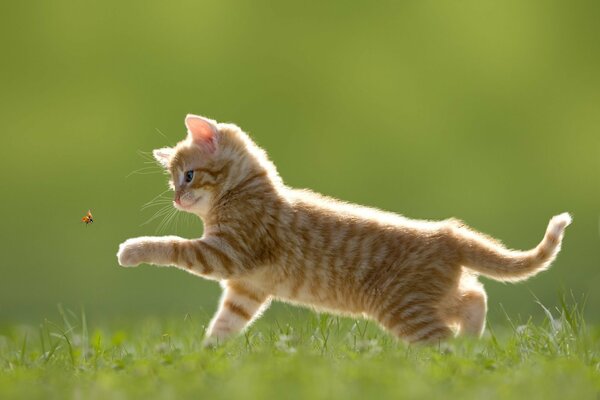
314	357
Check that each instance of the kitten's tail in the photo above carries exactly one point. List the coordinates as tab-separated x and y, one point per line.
492	259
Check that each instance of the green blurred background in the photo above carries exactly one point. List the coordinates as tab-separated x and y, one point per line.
486	111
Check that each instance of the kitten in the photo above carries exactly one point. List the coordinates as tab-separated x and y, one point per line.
263	240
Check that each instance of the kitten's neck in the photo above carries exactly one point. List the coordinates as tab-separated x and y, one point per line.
246	199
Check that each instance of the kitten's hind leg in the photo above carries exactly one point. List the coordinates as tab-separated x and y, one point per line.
472	310
466	306
240	305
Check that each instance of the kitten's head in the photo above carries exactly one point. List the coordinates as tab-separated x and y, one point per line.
212	159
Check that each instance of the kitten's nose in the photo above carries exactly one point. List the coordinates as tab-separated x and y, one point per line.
177	198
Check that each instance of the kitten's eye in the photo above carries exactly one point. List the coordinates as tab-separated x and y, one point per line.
189	175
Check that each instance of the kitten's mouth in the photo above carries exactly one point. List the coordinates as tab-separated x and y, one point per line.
181	206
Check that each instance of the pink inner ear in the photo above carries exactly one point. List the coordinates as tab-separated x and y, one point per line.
202	131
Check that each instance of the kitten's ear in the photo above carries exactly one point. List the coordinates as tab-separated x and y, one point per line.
163	156
202	131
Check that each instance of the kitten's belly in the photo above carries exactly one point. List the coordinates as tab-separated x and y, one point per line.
320	300
313	293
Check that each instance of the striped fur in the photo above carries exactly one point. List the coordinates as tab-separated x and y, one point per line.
263	240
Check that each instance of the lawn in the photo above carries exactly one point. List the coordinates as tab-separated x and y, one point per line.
296	356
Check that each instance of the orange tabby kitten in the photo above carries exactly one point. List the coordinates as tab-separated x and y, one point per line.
264	240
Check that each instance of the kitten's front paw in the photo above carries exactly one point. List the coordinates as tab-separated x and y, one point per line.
131	252
211	342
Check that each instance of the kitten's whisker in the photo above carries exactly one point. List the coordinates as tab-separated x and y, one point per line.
153	218
160	205
172	218
188	218
161	227
177	222
166	220
157	204
162	134
144	171
147	155
157	197
164	210
162	200
161	193
150	160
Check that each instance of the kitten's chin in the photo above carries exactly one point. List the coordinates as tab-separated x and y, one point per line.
186	207
195	207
